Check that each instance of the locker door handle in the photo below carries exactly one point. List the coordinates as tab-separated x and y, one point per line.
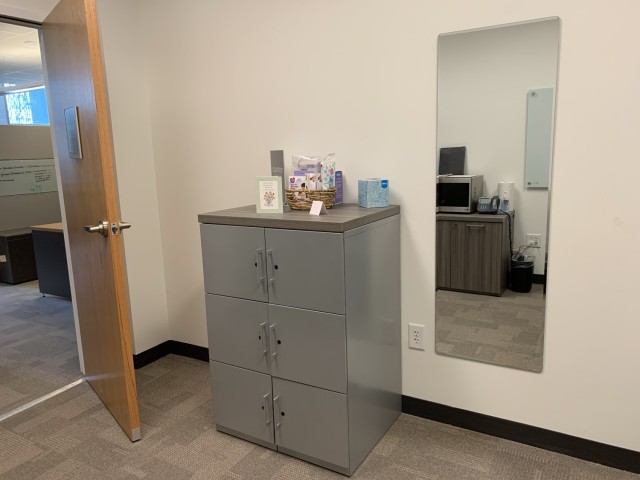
263	338
272	341
259	265
273	272
265	406
276	408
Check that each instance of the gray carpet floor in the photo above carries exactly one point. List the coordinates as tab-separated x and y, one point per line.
506	330
38	351
72	436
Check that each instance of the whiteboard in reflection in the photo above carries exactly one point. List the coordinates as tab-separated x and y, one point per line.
19	177
539	137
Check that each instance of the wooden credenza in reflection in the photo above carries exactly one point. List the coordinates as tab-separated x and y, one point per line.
51	259
472	252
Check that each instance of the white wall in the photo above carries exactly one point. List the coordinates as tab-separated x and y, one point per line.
21	211
132	141
230	80
483	80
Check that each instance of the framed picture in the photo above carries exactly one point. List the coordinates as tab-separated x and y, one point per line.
268	195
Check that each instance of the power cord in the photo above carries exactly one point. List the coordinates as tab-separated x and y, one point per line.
510	237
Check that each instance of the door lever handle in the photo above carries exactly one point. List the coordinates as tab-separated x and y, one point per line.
117	227
102	228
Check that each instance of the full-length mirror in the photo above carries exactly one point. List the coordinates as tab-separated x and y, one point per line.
496	97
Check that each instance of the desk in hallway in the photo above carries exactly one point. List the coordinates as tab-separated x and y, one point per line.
51	259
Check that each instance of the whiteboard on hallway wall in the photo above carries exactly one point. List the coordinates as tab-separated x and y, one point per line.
18	177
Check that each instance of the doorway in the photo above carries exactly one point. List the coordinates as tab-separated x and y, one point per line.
85	167
39	351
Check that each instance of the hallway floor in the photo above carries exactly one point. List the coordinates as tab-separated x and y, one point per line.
38	351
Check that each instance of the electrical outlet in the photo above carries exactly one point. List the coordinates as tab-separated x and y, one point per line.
416	336
534	240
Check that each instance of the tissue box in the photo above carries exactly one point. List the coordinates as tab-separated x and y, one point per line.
373	192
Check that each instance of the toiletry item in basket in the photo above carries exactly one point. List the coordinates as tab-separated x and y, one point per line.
339	187
312	181
297	182
305	164
328	172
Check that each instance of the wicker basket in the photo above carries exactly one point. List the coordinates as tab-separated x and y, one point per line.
302	200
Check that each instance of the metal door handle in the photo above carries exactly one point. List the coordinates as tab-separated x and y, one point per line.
273	272
102	228
265	406
272	339
276	408
472	225
259	265
263	338
117	227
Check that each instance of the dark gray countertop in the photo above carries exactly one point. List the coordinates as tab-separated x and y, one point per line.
340	218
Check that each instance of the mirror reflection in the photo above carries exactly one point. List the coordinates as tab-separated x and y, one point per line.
496	97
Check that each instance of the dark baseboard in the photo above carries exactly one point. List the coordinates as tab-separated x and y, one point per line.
143	359
170	346
191	351
537	278
577	447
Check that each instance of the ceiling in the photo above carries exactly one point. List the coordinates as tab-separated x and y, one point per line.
34	10
20	60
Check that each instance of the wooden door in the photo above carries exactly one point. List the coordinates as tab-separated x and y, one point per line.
75	71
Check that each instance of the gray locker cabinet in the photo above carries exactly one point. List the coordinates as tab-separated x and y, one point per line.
234	261
306	269
308	347
324	292
242	403
312	423
290	343
237	331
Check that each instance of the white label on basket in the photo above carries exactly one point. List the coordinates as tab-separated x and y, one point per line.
317	207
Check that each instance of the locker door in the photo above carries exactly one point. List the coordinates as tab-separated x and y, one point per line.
311	421
306	269
308	347
237	331
234	261
242	403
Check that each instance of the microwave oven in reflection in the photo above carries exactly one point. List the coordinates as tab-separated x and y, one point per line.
458	193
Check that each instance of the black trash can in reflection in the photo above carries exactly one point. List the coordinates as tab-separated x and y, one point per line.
522	274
